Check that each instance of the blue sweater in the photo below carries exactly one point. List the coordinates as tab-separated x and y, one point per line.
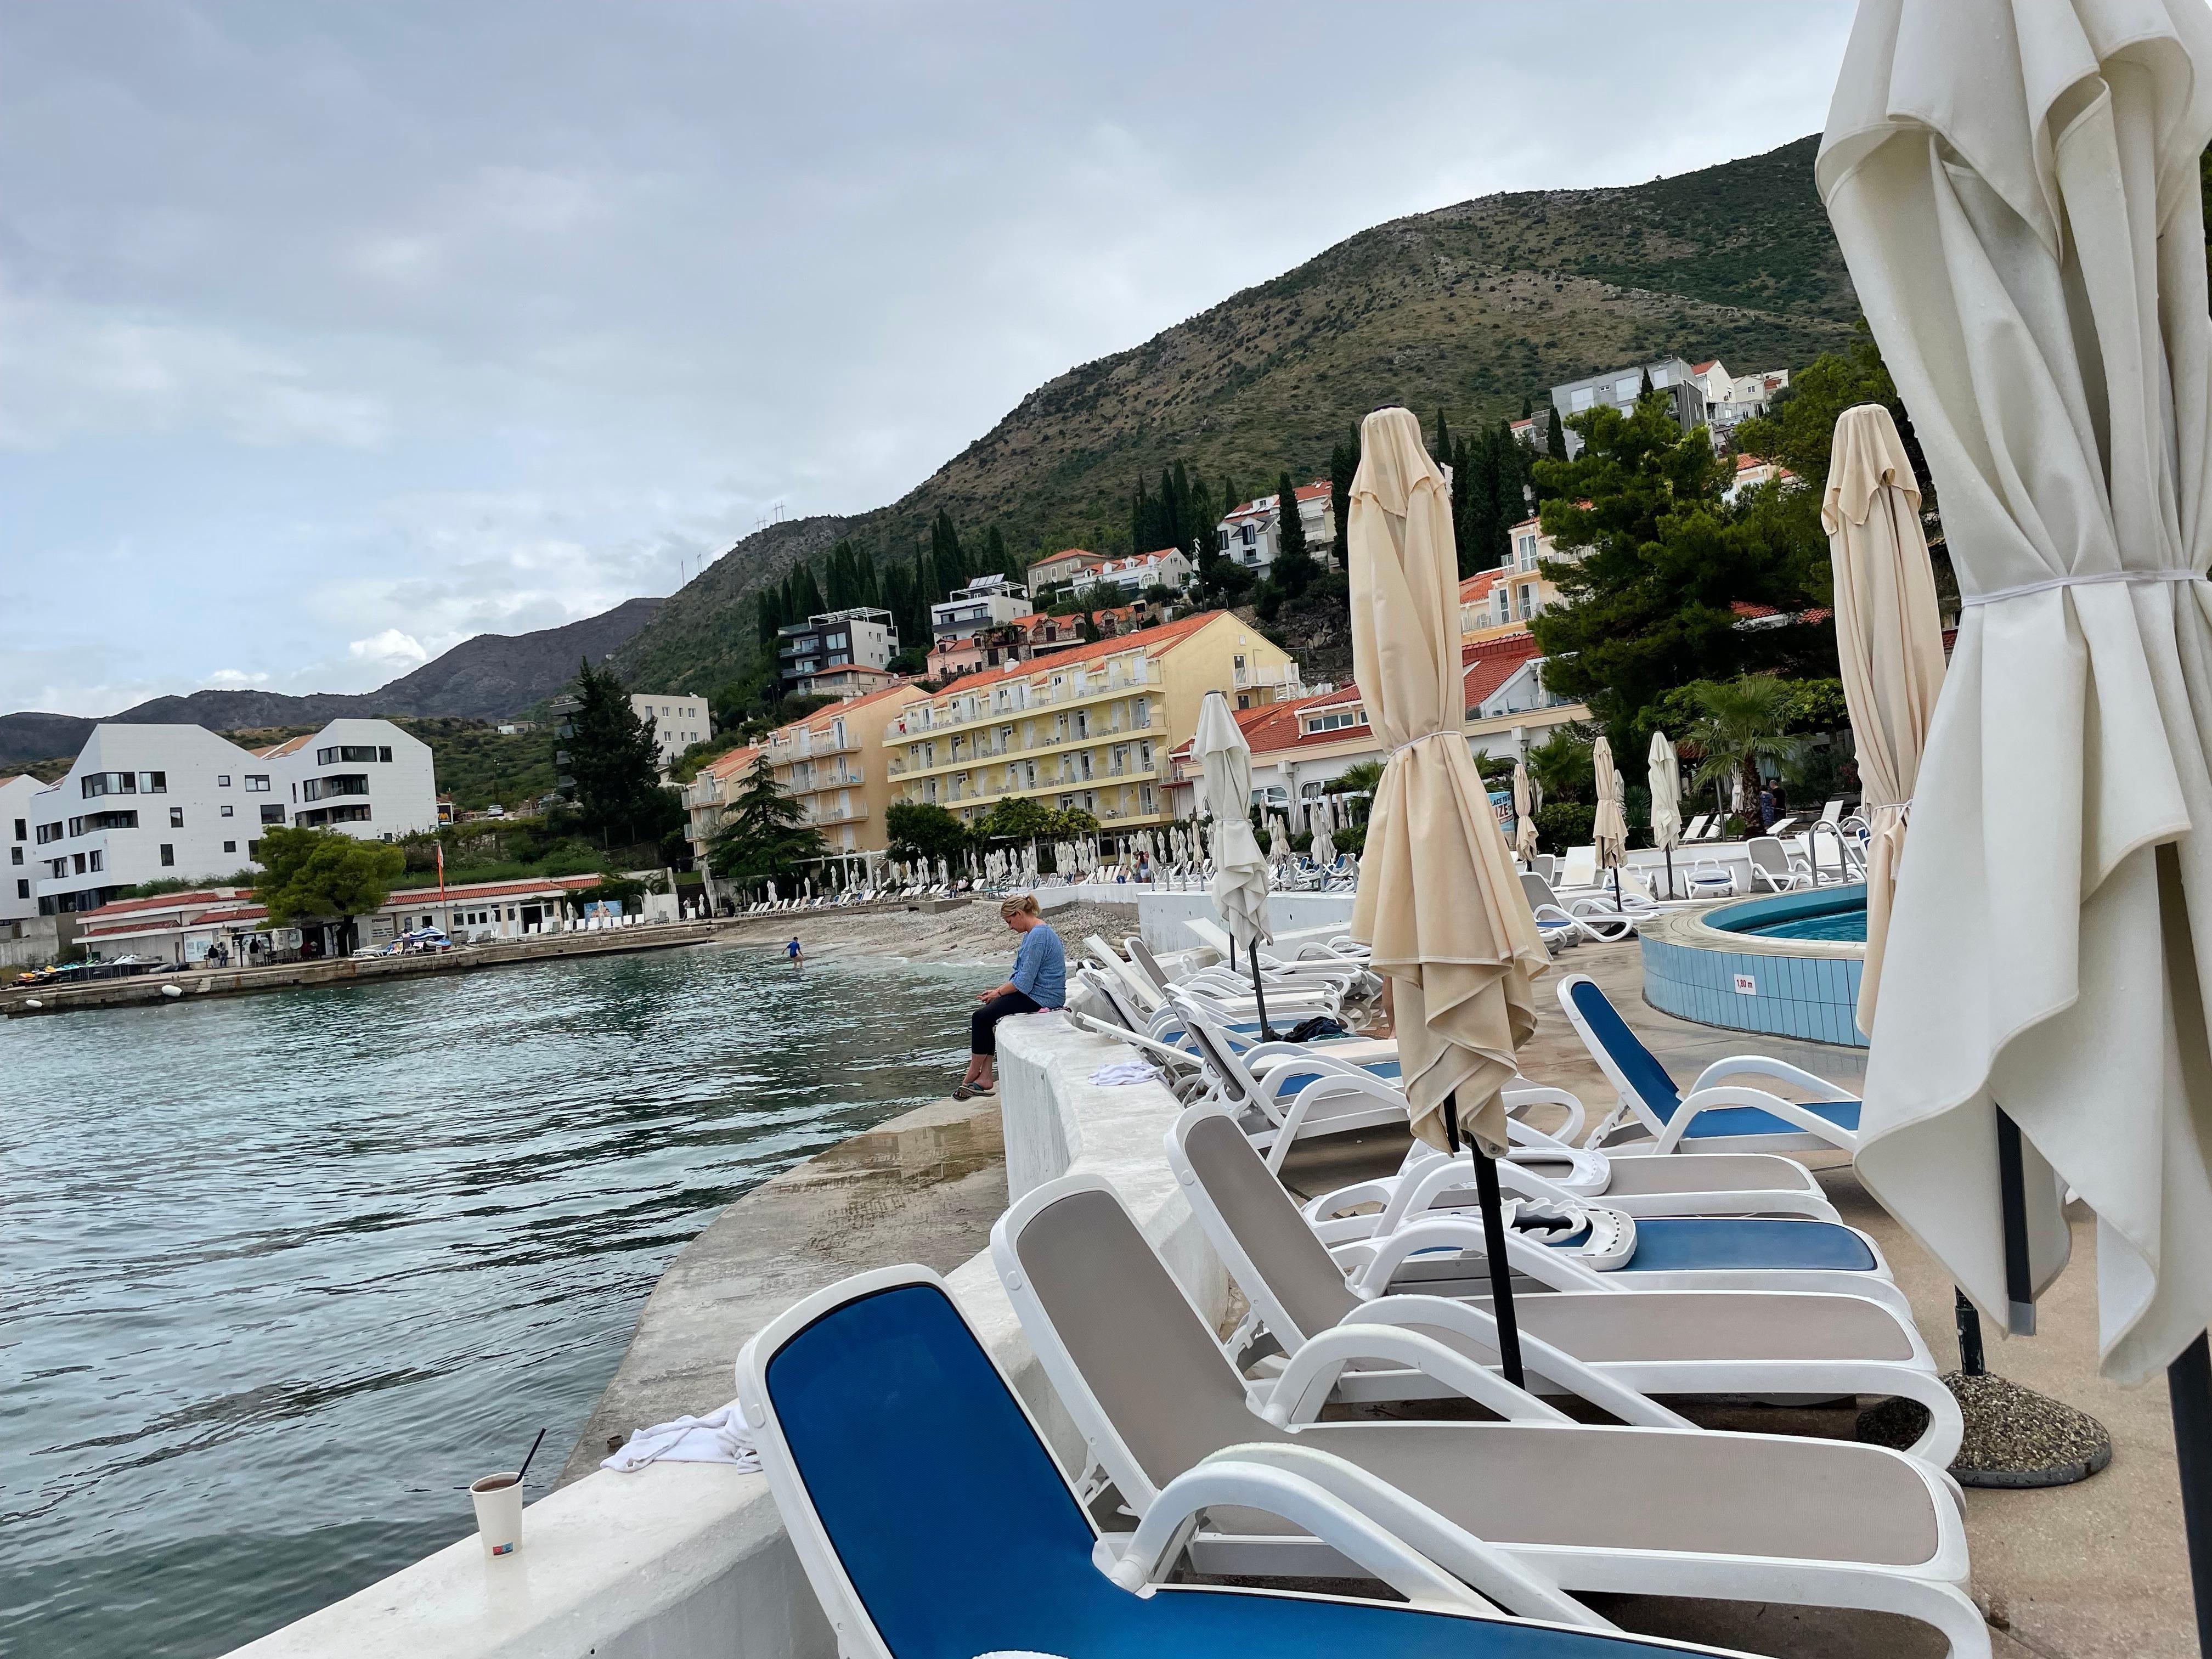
1041	968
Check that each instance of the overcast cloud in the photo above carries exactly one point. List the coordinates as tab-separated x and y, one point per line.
330	336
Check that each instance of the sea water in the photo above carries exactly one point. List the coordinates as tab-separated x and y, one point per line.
284	1272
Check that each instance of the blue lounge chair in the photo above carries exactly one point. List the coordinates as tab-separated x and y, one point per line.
863	1386
1714	1116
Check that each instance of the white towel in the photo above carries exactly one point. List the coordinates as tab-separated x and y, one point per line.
1123	1072
720	1437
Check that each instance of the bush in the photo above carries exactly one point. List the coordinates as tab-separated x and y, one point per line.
1562	825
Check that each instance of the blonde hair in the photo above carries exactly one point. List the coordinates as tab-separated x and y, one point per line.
1026	905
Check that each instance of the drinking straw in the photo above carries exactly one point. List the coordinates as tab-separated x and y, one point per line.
534	1445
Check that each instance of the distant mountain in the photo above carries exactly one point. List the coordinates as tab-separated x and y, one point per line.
482	678
1469	309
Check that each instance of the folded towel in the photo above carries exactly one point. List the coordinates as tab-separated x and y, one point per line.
1121	1072
720	1437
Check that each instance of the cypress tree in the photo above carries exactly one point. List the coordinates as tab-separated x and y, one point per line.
1140	514
1528	406
1555	437
1644	391
1294	566
998	557
1443	439
1343	463
768	610
945	554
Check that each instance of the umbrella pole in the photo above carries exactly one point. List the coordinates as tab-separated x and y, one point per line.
1493	1245
1252	956
2189	1384
1670	872
1616	890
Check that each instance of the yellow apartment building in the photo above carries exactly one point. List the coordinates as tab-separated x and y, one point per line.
707	797
1091	726
833	764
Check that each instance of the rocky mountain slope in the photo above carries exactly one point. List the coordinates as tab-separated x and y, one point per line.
1470	308
482	678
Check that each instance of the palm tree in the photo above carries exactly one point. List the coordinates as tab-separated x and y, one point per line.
1362	778
1561	768
1740	723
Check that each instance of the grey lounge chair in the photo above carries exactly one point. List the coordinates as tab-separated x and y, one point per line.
1772	1345
1683	1512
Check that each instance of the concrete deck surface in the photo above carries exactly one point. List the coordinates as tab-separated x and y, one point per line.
2094	1571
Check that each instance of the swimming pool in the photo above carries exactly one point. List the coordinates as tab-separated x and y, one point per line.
1787	964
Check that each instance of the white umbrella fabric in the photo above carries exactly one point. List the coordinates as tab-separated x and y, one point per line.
1889	641
1611	829
1663	770
1323	850
1524	812
1279	838
2015	189
1239	889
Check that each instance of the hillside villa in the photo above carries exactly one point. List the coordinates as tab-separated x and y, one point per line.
1251	536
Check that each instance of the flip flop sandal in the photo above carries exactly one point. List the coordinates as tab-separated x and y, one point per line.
964	1092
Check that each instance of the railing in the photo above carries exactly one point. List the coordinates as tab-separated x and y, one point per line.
1092	685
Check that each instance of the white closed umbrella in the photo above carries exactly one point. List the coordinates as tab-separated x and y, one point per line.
2015	188
1439	902
1239	888
1524	812
1610	829
1279	838
1664	770
1323	850
1889	642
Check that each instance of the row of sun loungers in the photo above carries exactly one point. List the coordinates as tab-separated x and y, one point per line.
1674	1251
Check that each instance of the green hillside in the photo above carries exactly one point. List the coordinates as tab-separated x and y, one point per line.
1471	309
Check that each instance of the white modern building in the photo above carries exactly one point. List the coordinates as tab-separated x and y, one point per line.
150	802
1251	536
1169	567
18	896
987	602
678	721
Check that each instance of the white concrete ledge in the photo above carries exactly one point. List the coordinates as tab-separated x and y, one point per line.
690	1561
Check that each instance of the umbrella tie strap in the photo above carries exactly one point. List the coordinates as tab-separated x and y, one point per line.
1425	737
2089	579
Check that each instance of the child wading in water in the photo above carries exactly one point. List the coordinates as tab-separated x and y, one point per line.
1039	981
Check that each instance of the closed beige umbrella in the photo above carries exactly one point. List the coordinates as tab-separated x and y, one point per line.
1439	900
1663	768
1524	812
1889	641
1611	829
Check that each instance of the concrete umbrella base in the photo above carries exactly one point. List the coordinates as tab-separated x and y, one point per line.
2014	1436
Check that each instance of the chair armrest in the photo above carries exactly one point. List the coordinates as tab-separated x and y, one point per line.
1442	1313
1306	1383
1729	1094
1520	1093
1162	1536
1780	1070
1517	1586
1437	1232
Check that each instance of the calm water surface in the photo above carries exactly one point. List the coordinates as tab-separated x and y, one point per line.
284	1273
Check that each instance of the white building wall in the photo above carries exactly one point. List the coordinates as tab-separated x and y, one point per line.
19	891
678	721
402	792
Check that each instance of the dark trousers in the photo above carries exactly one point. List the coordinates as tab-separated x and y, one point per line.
982	1024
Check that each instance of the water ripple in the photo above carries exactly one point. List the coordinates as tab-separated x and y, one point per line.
285	1274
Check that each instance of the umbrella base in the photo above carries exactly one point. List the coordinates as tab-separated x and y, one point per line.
2014	1436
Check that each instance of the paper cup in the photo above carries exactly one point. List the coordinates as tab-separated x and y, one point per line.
499	1513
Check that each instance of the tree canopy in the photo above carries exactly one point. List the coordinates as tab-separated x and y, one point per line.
1294	568
923	830
318	872
765	833
1653	562
1015	817
615	763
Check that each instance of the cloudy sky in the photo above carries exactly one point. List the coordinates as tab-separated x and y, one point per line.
330	336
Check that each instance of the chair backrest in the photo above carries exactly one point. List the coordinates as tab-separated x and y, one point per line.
1582	866
850	1395
1619	1051
1546	865
1147	964
1136	988
1766	853
1271	1250
1537	889
1697	827
1238	1085
1135	1363
1832	810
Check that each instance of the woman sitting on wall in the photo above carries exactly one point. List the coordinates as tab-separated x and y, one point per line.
1039	981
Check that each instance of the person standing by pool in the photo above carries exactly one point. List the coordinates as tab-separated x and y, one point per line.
791	951
1039	981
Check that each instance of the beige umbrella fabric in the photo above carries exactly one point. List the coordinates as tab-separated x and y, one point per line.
1239	888
1664	771
1524	812
1439	898
1889	641
1323	850
1611	829
2015	188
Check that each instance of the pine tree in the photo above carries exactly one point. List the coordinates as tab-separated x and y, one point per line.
1555	437
616	762
765	836
1293	569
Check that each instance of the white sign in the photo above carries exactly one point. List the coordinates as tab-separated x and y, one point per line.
1746	986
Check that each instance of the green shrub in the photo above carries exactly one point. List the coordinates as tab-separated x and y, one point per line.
1563	823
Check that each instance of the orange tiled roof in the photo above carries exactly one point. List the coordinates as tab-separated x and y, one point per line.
1166	637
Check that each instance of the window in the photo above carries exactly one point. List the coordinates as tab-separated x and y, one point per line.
230	847
22	889
22	830
1582	399
78	859
95	784
168	853
257	783
176	818
15	855
273	815
1527	552
1249	534
223	780
1528	602
1624	389
1334	720
228	810
384	752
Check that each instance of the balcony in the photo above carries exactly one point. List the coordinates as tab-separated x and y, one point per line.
1085	686
1282	680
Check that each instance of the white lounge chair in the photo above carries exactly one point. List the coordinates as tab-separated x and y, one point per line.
1774	868
1672	1512
1653	1116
